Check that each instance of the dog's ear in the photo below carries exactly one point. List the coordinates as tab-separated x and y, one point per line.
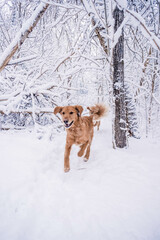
79	109
57	110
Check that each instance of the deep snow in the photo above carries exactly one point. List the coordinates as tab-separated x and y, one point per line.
114	196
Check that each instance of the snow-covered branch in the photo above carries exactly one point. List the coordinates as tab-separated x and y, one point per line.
21	60
29	111
144	89
154	40
20	37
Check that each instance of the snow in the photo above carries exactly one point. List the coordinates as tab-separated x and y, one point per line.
24	28
115	195
137	20
122	3
22	59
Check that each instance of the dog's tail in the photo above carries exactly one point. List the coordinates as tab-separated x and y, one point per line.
98	111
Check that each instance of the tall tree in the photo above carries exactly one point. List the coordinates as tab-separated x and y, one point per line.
120	132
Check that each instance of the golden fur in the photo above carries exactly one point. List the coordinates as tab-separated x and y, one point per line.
79	129
97	111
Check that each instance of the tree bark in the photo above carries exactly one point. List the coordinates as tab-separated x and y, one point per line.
120	130
22	35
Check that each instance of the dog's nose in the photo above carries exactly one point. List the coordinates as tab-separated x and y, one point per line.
65	121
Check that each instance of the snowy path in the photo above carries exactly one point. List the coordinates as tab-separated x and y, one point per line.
114	196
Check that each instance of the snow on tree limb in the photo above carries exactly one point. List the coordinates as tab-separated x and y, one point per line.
90	9
144	89
66	6
155	41
22	35
29	111
37	90
22	60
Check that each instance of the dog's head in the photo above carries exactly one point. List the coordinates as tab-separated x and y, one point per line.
69	114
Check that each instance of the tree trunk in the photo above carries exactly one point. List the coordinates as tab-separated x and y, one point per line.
22	35
120	129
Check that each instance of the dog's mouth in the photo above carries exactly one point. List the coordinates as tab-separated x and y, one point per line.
68	125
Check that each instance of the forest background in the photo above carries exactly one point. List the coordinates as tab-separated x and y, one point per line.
72	52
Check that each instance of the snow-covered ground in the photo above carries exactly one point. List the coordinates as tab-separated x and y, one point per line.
114	196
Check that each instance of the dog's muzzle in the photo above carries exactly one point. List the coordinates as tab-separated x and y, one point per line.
67	125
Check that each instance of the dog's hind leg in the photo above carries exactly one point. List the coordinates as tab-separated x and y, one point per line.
98	125
82	149
86	157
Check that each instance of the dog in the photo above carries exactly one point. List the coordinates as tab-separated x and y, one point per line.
79	129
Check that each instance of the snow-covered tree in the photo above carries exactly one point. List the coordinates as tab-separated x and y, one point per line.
67	56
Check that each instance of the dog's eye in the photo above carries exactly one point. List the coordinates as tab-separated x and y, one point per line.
63	113
71	113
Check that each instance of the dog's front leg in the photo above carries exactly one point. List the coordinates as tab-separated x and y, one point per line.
66	157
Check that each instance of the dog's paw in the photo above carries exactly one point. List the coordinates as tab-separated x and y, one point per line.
80	153
66	169
85	159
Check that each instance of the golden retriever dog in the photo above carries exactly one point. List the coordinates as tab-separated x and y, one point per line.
79	129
